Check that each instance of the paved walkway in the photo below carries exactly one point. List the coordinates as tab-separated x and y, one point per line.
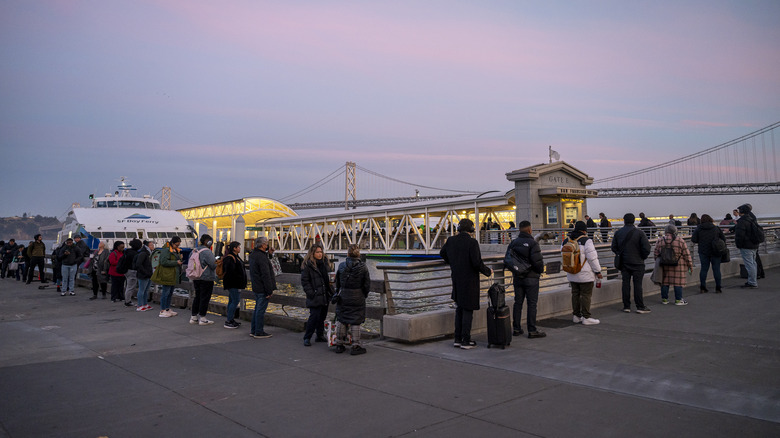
70	367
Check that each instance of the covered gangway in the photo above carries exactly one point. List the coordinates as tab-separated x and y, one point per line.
228	220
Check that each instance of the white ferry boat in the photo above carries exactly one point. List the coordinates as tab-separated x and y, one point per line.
123	217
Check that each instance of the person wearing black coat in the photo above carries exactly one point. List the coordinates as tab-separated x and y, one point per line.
261	272
462	253
233	280
744	239
352	286
69	256
633	248
316	284
527	286
705	235
143	272
8	250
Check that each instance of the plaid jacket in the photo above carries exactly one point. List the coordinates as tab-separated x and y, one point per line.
675	275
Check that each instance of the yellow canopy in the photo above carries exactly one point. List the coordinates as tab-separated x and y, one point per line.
251	209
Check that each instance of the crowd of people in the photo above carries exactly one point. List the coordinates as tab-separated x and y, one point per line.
631	247
130	271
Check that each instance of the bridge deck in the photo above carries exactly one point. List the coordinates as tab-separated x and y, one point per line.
73	368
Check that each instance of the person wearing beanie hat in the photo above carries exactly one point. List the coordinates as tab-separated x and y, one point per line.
674	275
462	253
633	248
526	286
746	238
582	282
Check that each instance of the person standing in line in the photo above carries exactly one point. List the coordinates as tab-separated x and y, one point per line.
705	236
99	271
79	243
25	254
56	267
143	271
117	279
233	281
746	240
527	287
462	253
604	224
582	282
316	284
21	262
633	248
353	284
167	274
70	257
131	276
204	285
37	252
8	250
674	275
263	285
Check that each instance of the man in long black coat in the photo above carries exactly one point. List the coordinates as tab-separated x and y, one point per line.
462	253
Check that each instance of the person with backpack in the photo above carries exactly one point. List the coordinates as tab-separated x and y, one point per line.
167	274
711	243
263	279
526	284
316	284
462	253
581	263
675	261
143	271
353	284
201	270
748	235
233	280
127	268
8	250
117	279
631	248
37	253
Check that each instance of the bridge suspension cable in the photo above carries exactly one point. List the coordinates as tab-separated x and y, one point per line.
371	172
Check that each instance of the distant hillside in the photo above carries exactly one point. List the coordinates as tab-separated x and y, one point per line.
24	228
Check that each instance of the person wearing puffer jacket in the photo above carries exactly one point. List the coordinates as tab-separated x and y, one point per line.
705	236
582	282
352	286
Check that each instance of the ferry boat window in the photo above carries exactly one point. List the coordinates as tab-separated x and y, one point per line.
121	234
97	234
108	234
150	205
157	207
101	204
111	203
152	234
181	234
190	235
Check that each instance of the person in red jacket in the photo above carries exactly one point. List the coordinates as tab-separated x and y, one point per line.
117	279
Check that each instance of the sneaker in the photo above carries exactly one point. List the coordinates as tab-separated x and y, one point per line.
340	349
680	303
307	342
262	335
664	301
194	319
171	312
148	307
141	309
749	286
468	345
642	310
62	294
164	314
576	319
128	304
536	334
230	325
590	321
72	293
204	321
517	332
456	344
356	350
627	310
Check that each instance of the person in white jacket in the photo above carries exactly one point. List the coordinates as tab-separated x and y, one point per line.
582	282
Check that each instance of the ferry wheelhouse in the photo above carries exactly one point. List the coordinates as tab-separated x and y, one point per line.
123	217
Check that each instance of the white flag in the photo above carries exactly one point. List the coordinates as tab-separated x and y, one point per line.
554	155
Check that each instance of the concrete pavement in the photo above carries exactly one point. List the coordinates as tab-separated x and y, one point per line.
70	367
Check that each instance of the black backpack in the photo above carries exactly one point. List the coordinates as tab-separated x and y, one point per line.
123	265
756	233
668	258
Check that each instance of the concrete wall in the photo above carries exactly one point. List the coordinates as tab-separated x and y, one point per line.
552	303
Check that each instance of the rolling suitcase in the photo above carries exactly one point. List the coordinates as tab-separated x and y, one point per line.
499	323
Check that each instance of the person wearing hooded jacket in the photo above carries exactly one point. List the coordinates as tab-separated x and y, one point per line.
582	282
705	235
352	286
526	287
69	256
316	284
748	247
131	276
261	272
462	253
233	280
204	285
117	279
143	271
634	248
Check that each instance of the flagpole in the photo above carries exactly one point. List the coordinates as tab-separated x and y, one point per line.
550	154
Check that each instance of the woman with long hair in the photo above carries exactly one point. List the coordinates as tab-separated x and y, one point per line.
315	280
705	236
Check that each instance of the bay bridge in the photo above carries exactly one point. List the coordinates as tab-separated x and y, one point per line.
396	216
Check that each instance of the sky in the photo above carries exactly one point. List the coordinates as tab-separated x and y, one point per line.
221	100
